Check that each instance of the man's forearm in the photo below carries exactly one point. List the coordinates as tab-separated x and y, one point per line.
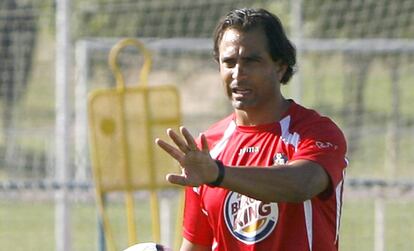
296	182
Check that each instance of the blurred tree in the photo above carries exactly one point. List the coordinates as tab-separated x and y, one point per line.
152	18
17	39
358	19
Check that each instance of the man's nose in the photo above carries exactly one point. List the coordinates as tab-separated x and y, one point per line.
238	71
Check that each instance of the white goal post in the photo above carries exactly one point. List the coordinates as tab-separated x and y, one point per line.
87	47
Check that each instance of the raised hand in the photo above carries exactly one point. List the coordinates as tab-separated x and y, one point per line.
197	165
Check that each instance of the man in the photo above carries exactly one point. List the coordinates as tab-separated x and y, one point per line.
270	175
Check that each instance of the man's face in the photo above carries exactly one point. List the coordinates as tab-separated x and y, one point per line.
250	76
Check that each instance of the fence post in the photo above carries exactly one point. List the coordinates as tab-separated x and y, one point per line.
296	24
62	207
379	237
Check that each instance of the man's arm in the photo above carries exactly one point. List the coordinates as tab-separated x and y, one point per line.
298	181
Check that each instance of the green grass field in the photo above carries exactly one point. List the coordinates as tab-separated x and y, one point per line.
29	226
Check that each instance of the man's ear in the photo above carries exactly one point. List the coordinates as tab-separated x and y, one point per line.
281	69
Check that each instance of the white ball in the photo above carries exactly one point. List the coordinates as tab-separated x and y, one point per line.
147	246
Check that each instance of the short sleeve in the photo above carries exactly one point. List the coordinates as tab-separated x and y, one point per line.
325	145
196	228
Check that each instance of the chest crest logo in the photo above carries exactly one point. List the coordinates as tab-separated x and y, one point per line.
280	159
249	220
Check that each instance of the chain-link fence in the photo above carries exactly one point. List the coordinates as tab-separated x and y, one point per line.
355	65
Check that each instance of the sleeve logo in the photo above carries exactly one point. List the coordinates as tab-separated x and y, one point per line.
325	145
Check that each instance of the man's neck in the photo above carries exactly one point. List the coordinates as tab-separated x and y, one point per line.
264	115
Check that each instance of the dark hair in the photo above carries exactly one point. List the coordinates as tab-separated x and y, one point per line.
280	48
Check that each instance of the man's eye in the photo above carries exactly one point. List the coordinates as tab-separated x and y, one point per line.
229	64
252	60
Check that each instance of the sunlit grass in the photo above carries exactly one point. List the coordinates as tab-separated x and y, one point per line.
29	226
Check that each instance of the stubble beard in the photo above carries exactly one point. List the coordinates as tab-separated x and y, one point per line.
243	104
240	104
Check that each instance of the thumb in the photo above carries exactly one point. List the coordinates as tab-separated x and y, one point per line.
176	179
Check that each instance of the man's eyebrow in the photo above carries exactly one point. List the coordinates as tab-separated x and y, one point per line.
252	56
227	57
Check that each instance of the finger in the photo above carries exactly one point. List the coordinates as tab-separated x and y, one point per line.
204	143
176	179
188	138
171	150
181	144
